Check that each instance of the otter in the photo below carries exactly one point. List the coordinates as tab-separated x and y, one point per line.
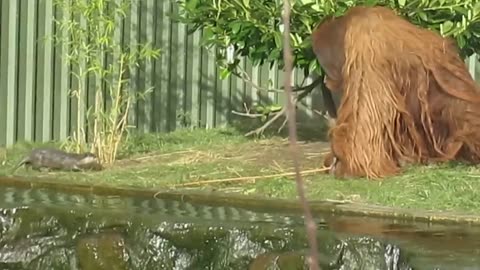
53	159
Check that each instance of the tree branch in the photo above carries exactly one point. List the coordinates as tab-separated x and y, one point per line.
310	225
261	129
276	115
246	78
247	114
304	92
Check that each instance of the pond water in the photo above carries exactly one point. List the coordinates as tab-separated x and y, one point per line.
46	229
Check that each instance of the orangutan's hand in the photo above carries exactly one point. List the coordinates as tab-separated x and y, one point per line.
333	166
330	162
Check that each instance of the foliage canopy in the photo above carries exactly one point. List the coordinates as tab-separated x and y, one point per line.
254	27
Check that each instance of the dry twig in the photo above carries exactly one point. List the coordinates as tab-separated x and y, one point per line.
247	178
162	155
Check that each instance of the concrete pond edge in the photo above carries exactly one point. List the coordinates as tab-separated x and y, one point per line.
249	201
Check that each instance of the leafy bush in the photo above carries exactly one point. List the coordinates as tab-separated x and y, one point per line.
254	27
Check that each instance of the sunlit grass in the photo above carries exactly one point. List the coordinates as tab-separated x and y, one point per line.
440	187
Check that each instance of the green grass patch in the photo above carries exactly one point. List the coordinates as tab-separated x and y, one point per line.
437	187
158	161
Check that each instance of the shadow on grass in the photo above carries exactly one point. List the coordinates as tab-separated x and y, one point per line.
311	130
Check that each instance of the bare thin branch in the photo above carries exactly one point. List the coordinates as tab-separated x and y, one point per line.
308	88
246	78
276	116
287	55
261	129
247	114
242	74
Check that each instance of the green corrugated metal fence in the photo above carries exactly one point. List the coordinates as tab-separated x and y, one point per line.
34	79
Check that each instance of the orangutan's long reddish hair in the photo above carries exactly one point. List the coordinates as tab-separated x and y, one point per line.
407	95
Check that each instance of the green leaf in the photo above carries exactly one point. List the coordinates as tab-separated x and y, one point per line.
461	10
275	54
208	33
313	66
461	41
476	8
235	26
278	39
191	4
370	3
401	3
446	27
423	16
275	108
224	73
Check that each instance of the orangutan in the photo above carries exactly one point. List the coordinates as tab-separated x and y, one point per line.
407	96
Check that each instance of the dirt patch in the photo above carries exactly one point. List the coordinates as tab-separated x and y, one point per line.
311	154
261	154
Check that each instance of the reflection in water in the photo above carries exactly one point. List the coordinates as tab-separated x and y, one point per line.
43	229
441	246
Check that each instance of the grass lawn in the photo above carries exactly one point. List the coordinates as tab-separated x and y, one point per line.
160	161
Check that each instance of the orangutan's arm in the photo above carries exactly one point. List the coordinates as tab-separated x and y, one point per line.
359	140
